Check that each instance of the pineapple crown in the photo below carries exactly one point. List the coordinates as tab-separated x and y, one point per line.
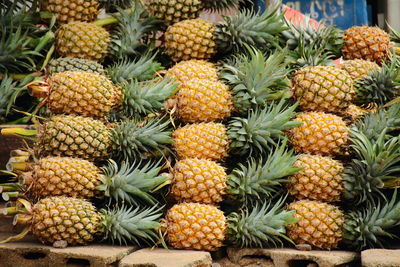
381	86
367	228
261	129
131	225
249	28
147	97
141	139
129	183
140	69
111	5
130	34
255	79
9	91
262	226
220	5
260	179
373	123
375	167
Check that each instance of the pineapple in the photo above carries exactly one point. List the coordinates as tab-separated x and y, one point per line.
354	112
82	40
74	64
187	70
78	92
204	101
72	10
242	136
358	68
87	138
77	222
204	227
320	178
323	225
322	88
368	43
79	178
205	181
201	39
320	133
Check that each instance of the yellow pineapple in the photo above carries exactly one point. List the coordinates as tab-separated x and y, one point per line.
82	40
322	88
193	69
72	10
368	43
204	101
175	10
358	68
320	133
198	180
318	224
319	178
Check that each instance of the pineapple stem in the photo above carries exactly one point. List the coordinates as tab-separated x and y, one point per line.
13	210
38	89
19	132
9	187
10	195
22	219
19	152
18	166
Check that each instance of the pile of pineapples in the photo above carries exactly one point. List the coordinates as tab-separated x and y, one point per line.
152	126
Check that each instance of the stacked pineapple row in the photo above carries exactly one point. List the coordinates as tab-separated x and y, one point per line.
249	110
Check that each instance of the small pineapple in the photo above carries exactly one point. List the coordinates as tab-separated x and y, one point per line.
79	178
82	40
365	42
358	68
320	134
87	138
320	178
74	64
322	88
72	10
78	92
204	227
77	222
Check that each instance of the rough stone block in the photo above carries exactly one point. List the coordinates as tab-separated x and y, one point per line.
380	258
33	254
292	257
167	258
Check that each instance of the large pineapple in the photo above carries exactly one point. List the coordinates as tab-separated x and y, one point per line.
320	178
364	42
77	222
72	10
323	225
205	181
201	39
78	92
204	227
87	138
254	134
82	40
322	88
74	64
79	178
320	133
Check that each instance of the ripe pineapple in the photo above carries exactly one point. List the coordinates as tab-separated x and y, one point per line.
368	43
201	39
74	64
355	112
82	40
205	181
77	222
204	101
193	69
242	136
204	227
319	178
358	68
72	10
78	92
320	133
323	225
87	138
322	88
79	178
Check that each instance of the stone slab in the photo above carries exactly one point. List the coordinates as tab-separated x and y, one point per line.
380	258
167	258
30	253
288	257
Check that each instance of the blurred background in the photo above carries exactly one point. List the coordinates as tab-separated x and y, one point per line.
346	13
